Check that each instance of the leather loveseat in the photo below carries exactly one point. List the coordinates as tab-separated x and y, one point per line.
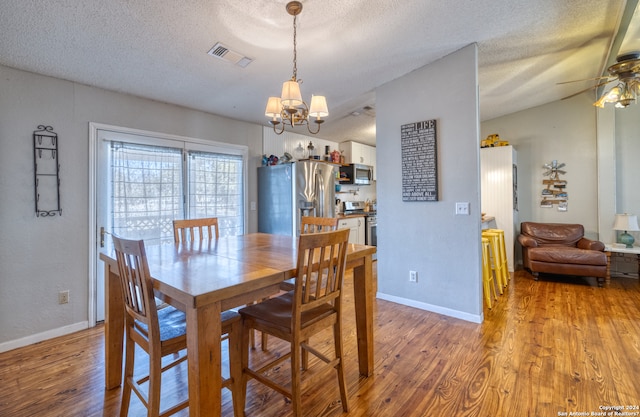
558	248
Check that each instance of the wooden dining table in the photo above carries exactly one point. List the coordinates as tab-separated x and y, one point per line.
205	278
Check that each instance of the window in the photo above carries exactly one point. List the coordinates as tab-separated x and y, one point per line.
215	190
151	185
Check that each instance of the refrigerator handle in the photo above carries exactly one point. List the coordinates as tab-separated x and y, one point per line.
319	196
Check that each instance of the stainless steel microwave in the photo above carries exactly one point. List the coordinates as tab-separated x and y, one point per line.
356	174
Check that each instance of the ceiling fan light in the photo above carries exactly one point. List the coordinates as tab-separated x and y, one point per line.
601	101
274	108
291	96
318	107
625	101
613	95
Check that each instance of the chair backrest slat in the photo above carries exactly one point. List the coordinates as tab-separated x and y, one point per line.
321	265
311	224
136	282
186	230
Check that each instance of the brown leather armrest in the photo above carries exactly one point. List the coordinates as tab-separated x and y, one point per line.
527	241
585	243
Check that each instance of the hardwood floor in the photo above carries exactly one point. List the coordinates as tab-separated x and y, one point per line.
549	347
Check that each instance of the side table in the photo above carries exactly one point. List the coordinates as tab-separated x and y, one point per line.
611	247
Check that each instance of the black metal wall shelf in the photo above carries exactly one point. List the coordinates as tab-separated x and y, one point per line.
46	170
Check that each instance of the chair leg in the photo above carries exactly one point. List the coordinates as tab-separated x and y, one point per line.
236	347
305	356
252	339
128	377
242	390
155	375
296	377
487	293
337	335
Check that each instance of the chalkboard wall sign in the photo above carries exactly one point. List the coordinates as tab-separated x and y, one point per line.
419	161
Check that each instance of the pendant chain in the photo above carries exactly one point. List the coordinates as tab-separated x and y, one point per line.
295	55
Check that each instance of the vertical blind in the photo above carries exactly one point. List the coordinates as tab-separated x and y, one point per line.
151	186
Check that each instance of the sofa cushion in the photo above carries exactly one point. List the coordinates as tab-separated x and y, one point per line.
566	255
558	234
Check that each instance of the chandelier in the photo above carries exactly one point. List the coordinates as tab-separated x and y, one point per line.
289	108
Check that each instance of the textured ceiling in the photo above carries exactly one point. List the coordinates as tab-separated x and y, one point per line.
346	49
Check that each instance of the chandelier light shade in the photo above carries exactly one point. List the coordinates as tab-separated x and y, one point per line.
291	96
318	107
290	109
274	107
626	222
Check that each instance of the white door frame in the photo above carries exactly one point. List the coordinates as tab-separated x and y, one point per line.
94	233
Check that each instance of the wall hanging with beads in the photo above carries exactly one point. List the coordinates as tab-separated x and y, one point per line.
46	170
554	188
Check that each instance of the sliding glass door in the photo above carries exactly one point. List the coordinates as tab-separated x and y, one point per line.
144	181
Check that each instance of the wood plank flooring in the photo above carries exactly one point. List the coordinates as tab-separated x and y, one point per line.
546	348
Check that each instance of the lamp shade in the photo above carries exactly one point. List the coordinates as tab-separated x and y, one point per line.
274	107
626	222
291	96
318	107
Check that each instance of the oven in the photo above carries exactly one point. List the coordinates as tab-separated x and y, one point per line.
371	232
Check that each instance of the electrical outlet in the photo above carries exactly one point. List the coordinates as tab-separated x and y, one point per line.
413	276
462	209
63	297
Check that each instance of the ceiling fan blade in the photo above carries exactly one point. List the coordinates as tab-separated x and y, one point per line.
561	165
585	79
587	89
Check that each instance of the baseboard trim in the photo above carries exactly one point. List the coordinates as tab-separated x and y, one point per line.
432	308
39	337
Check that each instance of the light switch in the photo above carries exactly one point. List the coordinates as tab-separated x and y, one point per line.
252	206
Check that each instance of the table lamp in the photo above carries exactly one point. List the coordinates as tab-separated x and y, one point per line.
626	222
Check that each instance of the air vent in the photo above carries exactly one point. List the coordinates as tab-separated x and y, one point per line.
220	51
366	110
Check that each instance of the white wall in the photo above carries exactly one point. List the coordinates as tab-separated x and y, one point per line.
427	236
627	198
566	131
41	256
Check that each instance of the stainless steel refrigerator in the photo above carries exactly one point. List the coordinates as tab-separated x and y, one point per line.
289	191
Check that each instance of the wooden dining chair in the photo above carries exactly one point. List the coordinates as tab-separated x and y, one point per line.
187	229
311	224
161	332
313	306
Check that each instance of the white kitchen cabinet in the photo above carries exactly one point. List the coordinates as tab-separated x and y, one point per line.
359	153
356	227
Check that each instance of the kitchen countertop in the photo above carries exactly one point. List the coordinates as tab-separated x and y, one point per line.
344	216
